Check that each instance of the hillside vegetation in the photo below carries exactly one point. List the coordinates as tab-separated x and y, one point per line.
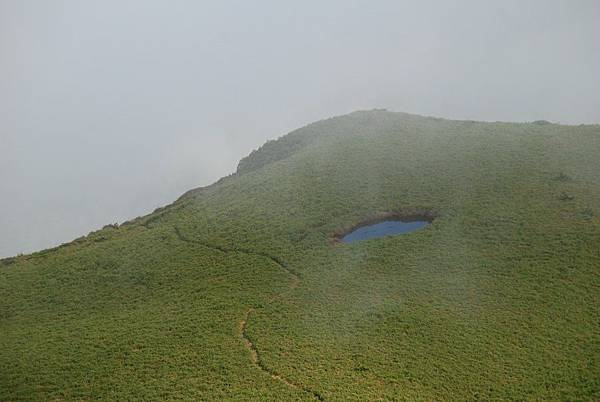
237	290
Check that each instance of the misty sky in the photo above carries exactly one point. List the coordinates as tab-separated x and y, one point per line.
109	109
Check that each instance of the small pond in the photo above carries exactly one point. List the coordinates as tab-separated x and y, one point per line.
381	229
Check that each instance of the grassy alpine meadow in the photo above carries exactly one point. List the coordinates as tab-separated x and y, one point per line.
239	290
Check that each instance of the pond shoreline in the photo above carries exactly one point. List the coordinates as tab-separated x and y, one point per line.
403	216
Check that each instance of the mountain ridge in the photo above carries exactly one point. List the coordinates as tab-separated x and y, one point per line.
290	143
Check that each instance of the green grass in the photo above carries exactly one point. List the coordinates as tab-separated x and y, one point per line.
497	299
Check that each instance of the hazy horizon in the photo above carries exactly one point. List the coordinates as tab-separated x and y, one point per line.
111	109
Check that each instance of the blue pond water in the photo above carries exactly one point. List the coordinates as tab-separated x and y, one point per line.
386	228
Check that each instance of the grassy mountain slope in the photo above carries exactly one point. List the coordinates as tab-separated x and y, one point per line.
236	290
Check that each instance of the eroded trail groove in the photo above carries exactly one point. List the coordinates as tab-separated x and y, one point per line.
243	325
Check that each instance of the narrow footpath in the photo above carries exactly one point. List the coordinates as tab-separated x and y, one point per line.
243	324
